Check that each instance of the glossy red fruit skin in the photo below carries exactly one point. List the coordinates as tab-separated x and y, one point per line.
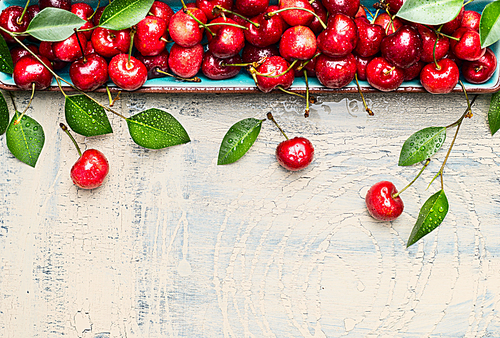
449	27
228	40
29	70
252	53
47	49
428	38
380	203
394	5
62	4
162	11
298	43
184	30
296	17
295	154
155	63
249	8
335	72
97	16
384	20
468	48
370	37
274	65
339	38
90	74
109	43
413	71
347	7
440	81
471	20
151	35
212	66
481	70
8	21
322	13
361	63
69	50
127	76
18	52
403	47
84	11
381	75
207	6
269	31
185	61
90	170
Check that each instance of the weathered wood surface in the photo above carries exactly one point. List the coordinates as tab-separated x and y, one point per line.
175	246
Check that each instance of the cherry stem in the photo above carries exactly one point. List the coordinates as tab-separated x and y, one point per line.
418	175
252	64
81	47
224	24
303	64
271	117
387	72
98	5
306	113
29	104
267	16
374	16
312	99
438	32
204	25
165	40
219	9
132	33
193	79
438	67
281	74
110	98
63	127
183	5
20	19
368	110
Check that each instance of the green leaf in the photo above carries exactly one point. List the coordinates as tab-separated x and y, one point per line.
489	26
430	12
54	24
156	129
494	113
430	217
122	14
86	117
4	114
6	64
238	140
25	140
422	145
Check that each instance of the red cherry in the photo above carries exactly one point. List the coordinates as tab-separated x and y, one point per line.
29	70
84	11
207	6
109	43
185	61
250	8
389	24
184	30
347	7
394	5
428	38
213	68
18	52
481	70
69	50
273	66
128	75
269	31
369	37
252	53
90	170
381	204
403	47
335	72
381	75
440	80
155	63
295	17
340	36
295	154
89	74
9	21
151	35
162	10
228	40
63	4
468	47
298	43
471	20
451	26
361	64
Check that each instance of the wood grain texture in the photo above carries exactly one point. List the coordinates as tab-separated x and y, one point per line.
175	246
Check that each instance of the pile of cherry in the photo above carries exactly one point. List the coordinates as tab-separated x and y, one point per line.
331	39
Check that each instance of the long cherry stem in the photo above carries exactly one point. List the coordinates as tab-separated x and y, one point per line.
192	79
271	117
270	14
63	127
418	175
306	113
368	110
223	24
219	9
20	19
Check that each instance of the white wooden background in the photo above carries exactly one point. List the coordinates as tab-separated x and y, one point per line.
175	246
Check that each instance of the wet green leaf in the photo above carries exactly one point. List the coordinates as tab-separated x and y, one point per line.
430	217
430	12
494	113
6	64
4	114
122	14
25	140
238	140
54	24
86	117
156	129
489	26
422	145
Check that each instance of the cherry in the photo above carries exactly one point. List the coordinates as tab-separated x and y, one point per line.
214	68
431	50
184	30
381	75
273	66
11	19
471	20
389	24
440	78
185	61
347	7
155	63
97	15
321	13
381	203
298	43
335	72
62	4
127	74
89	73
394	5
369	37
269	31
69	50
151	36
228	40
18	52
468	48
28	71
84	11
339	38
451	26
481	70
250	8
361	63
403	47
413	71
109	43
295	17
252	53
91	168
295	154
207	6
162	11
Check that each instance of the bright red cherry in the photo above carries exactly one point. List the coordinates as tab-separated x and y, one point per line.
161	10
90	73
29	70
451	26
295	154
151	36
250	8
441	79
347	7
369	37
468	46
471	20
274	65
381	204
18	52
62	4
383	76
429	47
109	43
69	50
481	70
9	20
185	61
207	6
389	24
403	47
339	38
214	68
335	72
298	43
228	40
184	30
90	170
127	74
295	17
269	31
